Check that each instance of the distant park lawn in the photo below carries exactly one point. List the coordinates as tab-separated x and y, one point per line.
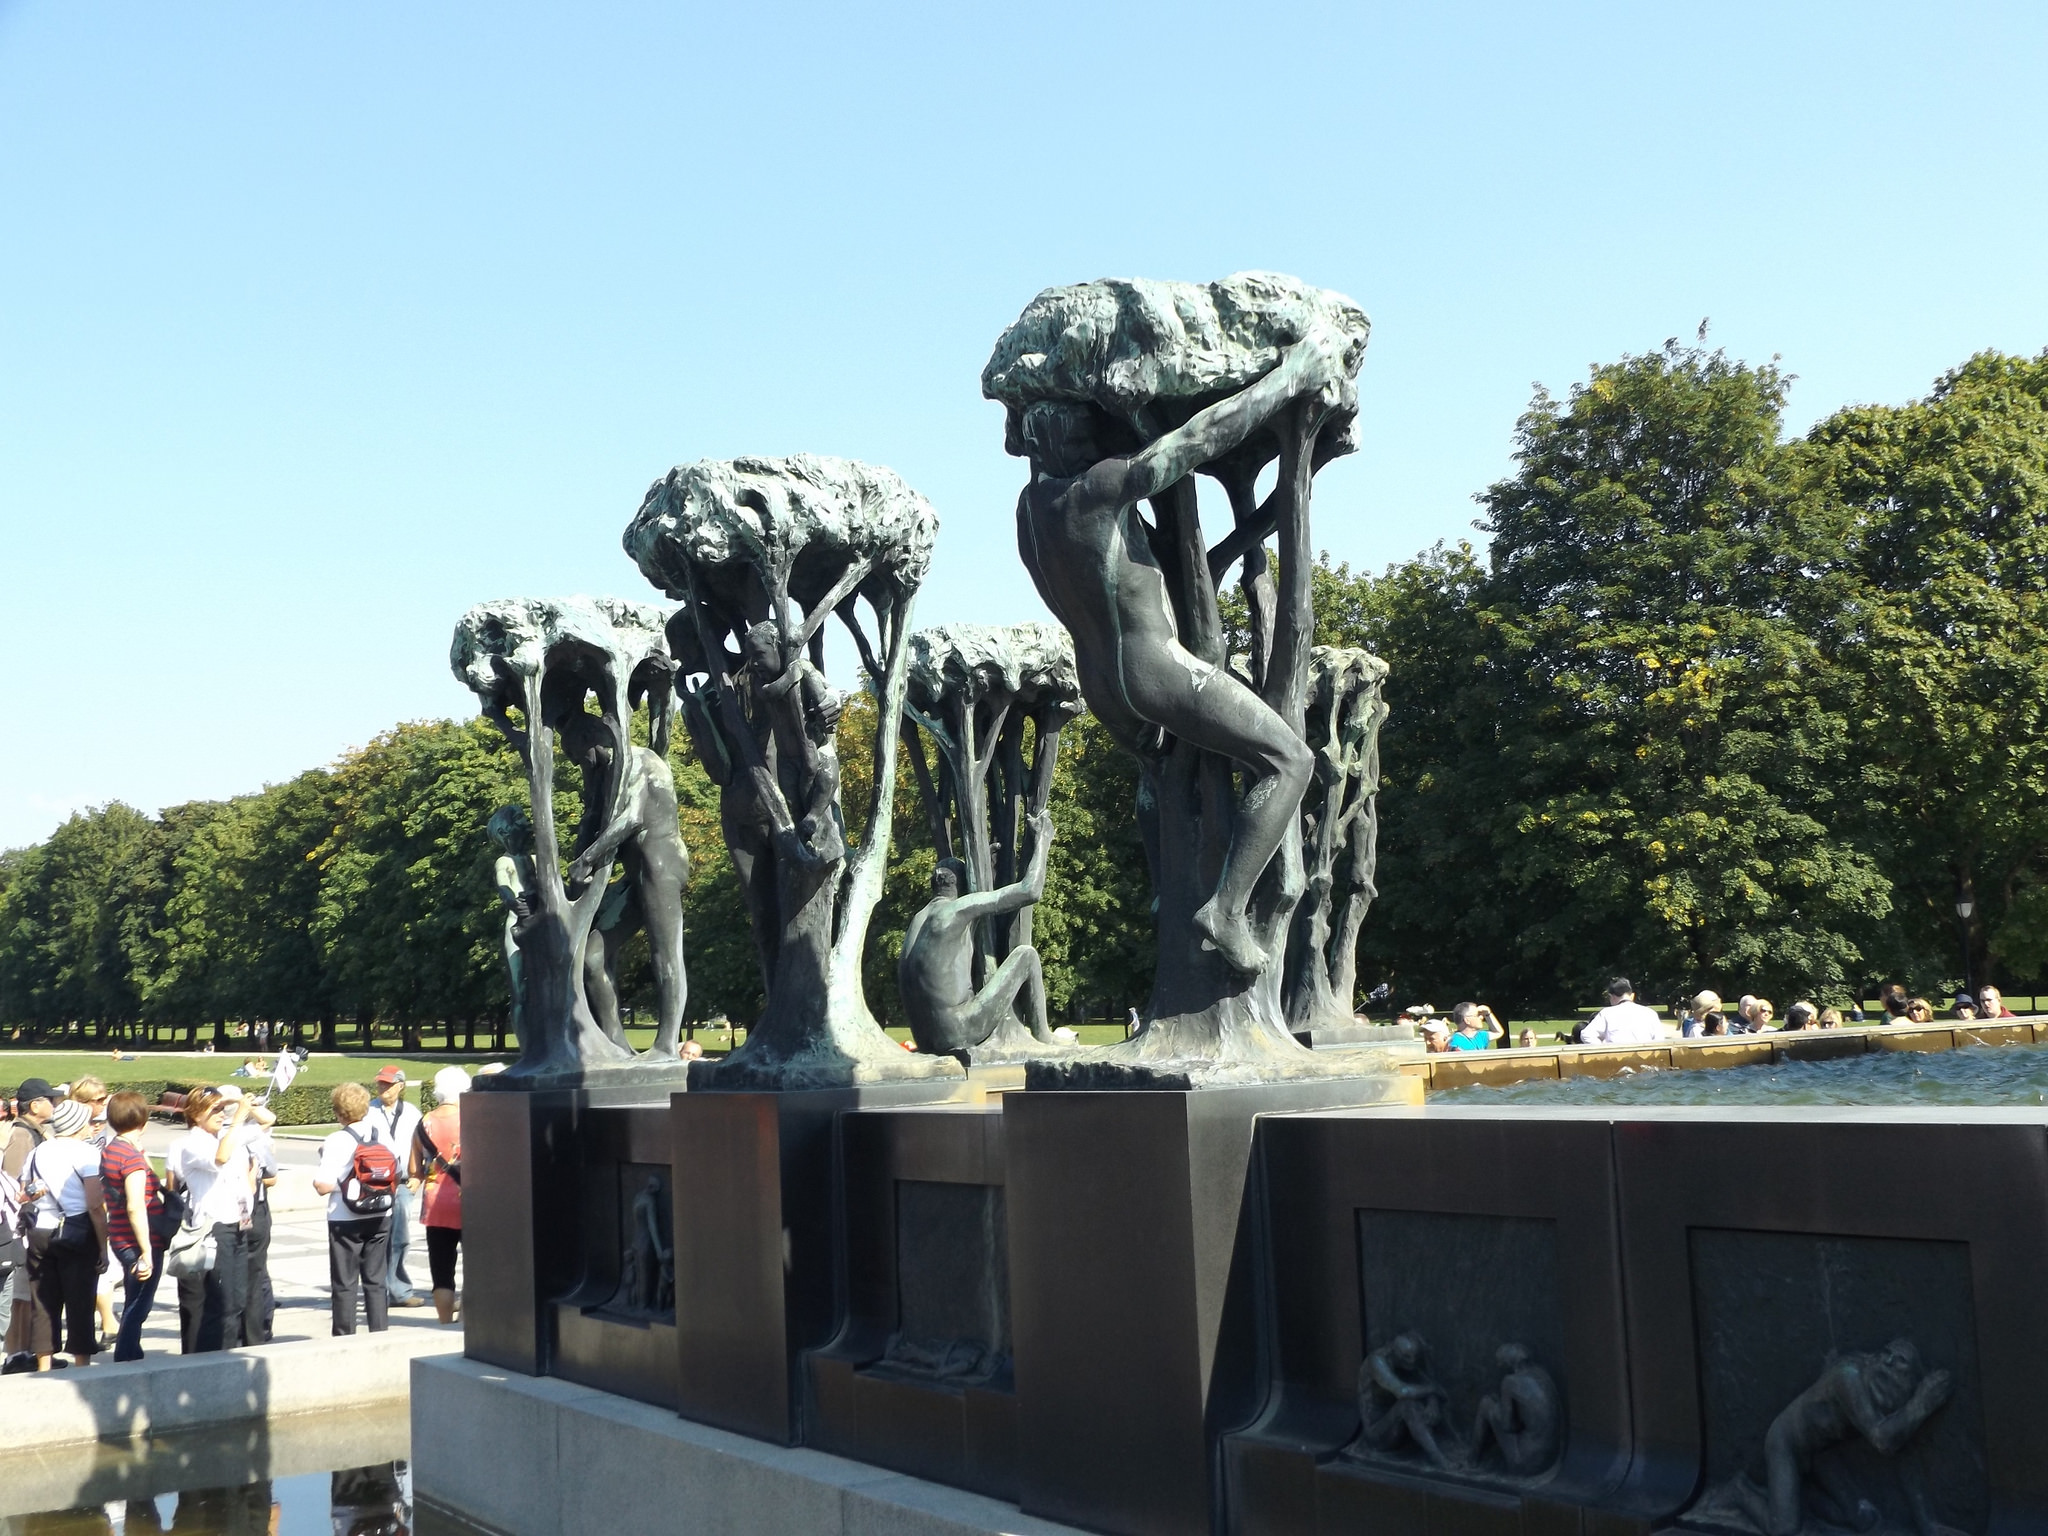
159	1066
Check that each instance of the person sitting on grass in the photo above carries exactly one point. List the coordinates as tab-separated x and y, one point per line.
1474	1028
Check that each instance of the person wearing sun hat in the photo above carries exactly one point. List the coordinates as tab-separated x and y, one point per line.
67	1246
397	1120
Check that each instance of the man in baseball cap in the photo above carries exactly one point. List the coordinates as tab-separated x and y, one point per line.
31	1090
397	1122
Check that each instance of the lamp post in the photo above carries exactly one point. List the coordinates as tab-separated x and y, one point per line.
1964	907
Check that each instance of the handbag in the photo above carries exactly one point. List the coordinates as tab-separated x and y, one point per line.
75	1235
168	1218
191	1251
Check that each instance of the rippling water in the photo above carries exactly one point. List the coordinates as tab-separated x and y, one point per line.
1980	1074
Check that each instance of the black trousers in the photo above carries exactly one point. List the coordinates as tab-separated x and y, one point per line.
259	1304
209	1304
443	1243
358	1253
64	1280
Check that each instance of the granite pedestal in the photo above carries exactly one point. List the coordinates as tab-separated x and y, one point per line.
918	1377
758	1244
1135	1294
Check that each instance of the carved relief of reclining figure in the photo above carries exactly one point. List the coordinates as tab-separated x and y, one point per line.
1882	1399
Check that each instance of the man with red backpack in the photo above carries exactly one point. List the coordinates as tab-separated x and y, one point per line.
361	1178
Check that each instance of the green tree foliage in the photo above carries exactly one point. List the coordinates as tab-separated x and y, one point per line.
1667	757
408	917
1938	608
1710	708
76	913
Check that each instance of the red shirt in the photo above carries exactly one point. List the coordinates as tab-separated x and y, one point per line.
121	1158
441	1200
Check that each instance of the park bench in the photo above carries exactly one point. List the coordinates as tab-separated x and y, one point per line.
170	1105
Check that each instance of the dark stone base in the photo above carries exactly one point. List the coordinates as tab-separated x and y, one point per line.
1132	1275
540	1198
633	1357
757	1260
644	1077
918	1378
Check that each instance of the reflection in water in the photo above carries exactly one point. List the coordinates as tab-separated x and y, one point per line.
358	1501
373	1501
1979	1074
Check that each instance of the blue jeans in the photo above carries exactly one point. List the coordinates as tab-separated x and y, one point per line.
141	1295
397	1283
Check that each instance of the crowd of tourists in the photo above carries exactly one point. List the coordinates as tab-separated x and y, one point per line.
89	1226
1703	1015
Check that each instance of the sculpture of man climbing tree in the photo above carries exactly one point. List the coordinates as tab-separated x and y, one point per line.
762	552
1121	393
535	665
993	701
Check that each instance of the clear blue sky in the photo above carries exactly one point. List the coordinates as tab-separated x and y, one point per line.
319	323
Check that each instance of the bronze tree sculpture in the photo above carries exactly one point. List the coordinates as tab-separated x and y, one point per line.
762	552
1122	393
993	701
535	665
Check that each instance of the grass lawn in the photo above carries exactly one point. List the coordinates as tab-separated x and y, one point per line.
321	1071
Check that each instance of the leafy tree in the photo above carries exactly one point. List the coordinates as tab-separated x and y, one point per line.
1938	607
408	917
74	921
1668	758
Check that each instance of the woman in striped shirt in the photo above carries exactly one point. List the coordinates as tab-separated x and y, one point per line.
134	1200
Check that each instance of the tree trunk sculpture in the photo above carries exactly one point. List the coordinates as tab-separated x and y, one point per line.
1120	393
761	552
534	664
973	690
1339	821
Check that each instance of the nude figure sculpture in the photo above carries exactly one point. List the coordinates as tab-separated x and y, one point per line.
646	836
1522	1419
936	971
1399	1405
1880	1398
512	830
1078	533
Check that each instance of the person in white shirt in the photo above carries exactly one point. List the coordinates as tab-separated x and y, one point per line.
397	1120
210	1164
259	1303
358	1245
1624	1021
67	1246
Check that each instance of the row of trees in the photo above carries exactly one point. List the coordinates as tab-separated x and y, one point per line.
1722	708
1716	707
362	895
